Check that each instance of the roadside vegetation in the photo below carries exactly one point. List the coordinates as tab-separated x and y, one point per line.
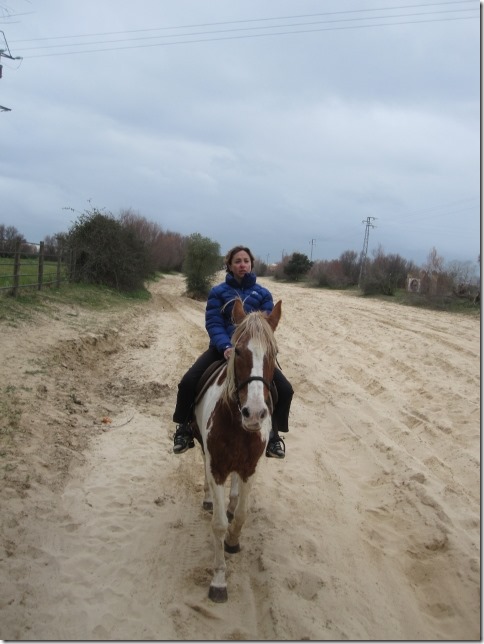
48	302
106	259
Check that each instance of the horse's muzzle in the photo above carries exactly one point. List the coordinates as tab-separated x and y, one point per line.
252	419
252	428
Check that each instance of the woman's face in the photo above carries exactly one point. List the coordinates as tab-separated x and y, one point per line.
240	264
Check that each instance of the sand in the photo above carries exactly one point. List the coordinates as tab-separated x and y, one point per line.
369	529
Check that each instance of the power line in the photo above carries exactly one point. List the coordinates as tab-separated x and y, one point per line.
233	22
204	33
460	204
223	38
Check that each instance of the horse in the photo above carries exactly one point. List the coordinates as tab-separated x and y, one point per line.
232	422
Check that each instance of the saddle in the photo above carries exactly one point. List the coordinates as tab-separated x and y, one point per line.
208	377
213	371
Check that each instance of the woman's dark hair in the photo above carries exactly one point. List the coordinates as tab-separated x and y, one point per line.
233	251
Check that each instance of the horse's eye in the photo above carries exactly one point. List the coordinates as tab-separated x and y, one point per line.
237	351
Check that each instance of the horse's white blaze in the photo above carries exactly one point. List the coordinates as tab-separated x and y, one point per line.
255	403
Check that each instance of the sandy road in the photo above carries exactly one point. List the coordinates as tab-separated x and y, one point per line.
369	529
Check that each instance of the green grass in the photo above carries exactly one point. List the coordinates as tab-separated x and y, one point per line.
451	304
28	274
448	303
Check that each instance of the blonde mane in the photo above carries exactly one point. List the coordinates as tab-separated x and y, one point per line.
255	327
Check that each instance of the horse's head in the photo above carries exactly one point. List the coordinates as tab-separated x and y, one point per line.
251	366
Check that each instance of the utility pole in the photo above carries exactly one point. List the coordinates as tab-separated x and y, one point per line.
365	247
6	53
312	242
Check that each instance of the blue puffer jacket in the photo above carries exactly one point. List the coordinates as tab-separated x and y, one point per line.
218	314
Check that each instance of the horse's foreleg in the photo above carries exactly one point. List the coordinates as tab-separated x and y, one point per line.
240	514
207	493
218	586
233	496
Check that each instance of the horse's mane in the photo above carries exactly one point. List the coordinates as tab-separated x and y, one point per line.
255	327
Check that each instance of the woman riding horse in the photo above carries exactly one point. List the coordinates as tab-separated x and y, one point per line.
240	282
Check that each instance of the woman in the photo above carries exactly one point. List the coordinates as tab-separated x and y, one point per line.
240	282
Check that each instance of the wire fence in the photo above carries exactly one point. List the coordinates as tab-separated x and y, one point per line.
31	265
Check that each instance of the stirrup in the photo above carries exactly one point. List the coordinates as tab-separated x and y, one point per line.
183	439
276	448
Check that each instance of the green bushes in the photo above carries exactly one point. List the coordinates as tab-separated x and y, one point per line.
106	252
202	261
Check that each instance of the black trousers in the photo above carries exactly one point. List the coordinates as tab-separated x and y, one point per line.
188	385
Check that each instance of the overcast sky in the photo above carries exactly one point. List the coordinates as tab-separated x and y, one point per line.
280	124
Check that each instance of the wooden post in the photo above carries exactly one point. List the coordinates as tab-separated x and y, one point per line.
59	265
16	269
41	266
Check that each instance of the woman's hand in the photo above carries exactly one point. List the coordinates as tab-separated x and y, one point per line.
227	352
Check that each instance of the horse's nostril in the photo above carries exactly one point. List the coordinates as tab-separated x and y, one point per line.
263	413
245	412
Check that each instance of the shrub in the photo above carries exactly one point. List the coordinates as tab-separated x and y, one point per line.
329	273
202	261
105	252
385	274
260	268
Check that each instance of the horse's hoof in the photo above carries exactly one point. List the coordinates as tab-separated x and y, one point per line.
231	549
218	594
208	505
230	516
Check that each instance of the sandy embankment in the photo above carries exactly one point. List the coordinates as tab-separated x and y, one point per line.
368	530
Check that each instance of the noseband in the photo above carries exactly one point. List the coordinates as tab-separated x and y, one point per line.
241	385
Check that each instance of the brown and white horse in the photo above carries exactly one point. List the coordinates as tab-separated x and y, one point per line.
233	423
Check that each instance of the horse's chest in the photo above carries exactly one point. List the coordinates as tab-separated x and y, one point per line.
232	449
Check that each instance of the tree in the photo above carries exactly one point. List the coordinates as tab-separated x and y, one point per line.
9	236
167	249
202	261
435	282
297	266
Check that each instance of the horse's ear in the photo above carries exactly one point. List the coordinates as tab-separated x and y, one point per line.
238	313
275	315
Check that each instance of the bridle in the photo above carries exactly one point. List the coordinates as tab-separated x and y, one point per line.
240	385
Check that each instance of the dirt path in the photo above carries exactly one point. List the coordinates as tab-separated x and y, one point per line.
369	529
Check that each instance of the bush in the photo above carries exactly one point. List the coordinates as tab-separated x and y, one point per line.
278	271
105	252
329	273
385	274
260	268
297	266
202	262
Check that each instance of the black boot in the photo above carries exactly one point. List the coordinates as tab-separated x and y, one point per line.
183	439
276	447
